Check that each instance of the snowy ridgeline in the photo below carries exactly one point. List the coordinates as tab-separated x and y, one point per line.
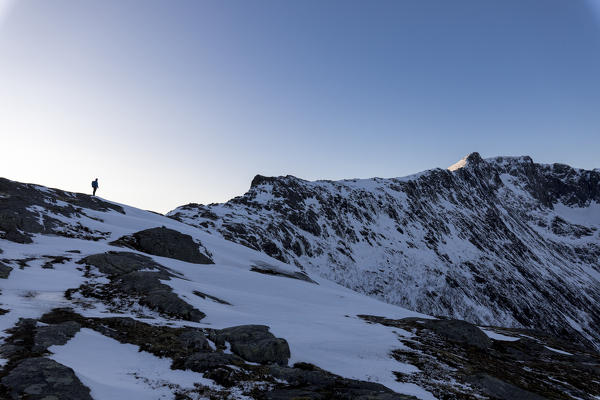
501	241
101	300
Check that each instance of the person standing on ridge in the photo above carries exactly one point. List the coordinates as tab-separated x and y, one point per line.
94	186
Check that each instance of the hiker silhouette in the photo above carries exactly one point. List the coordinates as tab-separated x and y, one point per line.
94	186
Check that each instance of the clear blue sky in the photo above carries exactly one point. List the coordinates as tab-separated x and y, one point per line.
170	102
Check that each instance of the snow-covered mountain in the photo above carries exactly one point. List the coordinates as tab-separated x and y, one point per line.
103	301
502	241
86	284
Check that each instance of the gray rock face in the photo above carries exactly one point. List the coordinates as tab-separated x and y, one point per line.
202	362
343	393
501	390
24	210
20	341
10	350
460	332
501	241
4	270
192	341
115	263
454	362
254	343
303	376
140	277
309	382
44	379
165	242
29	340
59	334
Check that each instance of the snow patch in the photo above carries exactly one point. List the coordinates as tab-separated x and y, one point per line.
498	336
113	370
587	216
558	351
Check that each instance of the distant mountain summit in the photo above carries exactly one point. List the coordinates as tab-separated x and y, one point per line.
501	241
473	158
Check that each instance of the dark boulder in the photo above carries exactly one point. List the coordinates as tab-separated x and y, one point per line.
459	331
44	379
202	362
294	394
499	389
115	263
20	340
165	242
192	341
352	392
138	276
304	376
156	295
254	343
8	350
4	270
306	381
50	335
29	338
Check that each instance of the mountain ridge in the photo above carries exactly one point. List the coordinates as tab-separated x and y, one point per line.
167	310
500	240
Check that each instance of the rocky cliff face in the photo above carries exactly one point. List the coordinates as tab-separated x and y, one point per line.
500	241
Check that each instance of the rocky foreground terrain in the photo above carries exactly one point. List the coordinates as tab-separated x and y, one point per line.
104	301
500	241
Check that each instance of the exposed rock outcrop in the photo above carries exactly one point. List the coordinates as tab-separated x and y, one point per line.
190	349
307	381
165	242
203	362
458	360
254	343
30	375
134	276
459	332
50	335
44	379
4	270
500	389
27	209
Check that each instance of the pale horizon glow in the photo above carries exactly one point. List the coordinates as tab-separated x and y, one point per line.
171	103
5	6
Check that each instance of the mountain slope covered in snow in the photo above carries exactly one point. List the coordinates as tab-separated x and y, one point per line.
76	269
501	241
104	301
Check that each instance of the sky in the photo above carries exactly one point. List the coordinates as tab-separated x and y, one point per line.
172	102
